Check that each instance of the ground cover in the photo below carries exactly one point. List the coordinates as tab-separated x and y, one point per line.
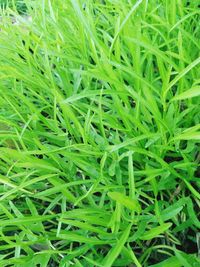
99	133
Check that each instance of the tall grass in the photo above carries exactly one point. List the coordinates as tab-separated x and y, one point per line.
99	133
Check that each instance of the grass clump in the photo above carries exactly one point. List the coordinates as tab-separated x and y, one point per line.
99	134
17	5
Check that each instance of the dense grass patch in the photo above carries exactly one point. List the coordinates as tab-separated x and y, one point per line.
100	133
17	5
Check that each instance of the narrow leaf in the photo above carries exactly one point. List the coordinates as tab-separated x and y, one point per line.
195	91
125	201
156	231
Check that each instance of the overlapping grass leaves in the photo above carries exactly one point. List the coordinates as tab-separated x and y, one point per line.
99	134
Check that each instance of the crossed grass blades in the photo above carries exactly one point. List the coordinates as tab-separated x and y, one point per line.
99	133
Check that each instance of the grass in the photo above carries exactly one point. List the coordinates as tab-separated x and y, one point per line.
17	5
100	133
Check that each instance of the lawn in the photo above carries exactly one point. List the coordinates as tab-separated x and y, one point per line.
99	133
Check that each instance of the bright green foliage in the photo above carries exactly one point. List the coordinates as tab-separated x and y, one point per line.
100	133
17	5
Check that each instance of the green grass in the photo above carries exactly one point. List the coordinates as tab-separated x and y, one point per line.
17	5
100	133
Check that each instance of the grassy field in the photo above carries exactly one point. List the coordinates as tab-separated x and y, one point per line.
100	133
